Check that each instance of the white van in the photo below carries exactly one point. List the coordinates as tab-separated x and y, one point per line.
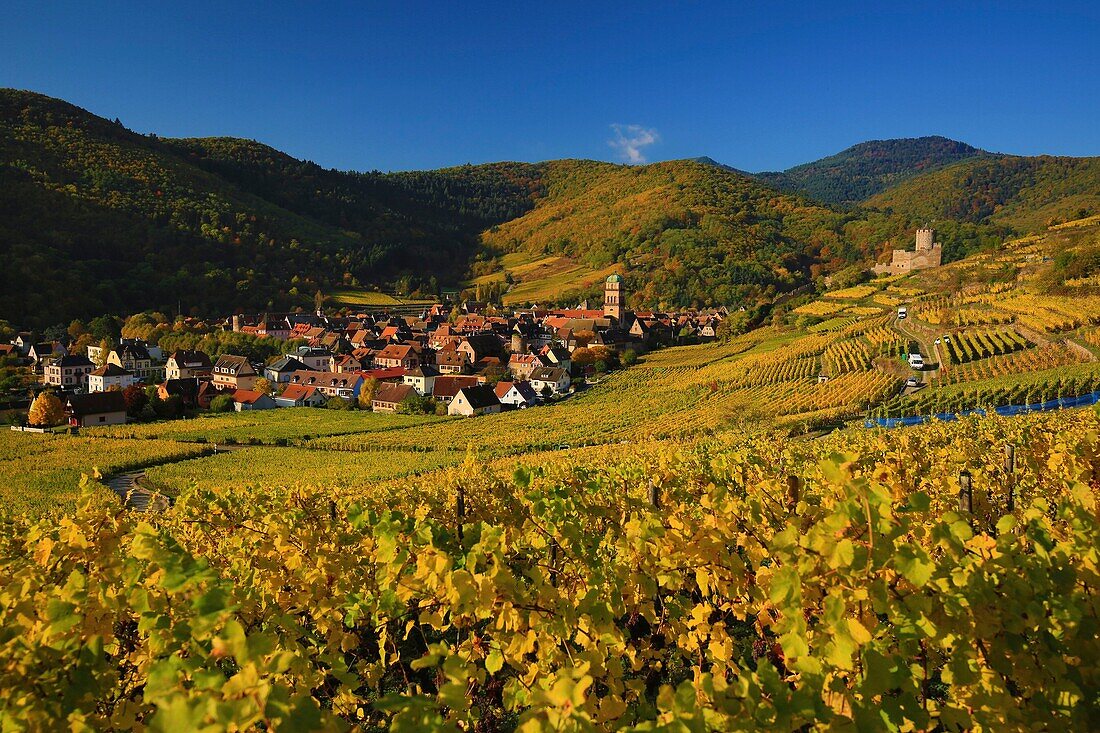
916	361
903	312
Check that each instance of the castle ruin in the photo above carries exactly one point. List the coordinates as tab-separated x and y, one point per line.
927	254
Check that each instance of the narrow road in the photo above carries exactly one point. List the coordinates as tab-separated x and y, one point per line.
911	333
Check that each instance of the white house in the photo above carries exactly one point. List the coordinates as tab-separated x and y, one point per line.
297	395
422	379
69	371
108	376
319	360
280	371
553	378
477	400
516	394
248	399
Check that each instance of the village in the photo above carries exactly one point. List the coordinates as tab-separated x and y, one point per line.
463	359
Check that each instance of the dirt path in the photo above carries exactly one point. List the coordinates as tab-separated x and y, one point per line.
134	495
1032	335
141	498
1084	351
912	334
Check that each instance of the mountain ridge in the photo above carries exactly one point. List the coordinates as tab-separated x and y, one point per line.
864	169
97	218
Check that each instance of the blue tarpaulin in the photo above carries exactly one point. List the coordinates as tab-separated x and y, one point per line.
1007	410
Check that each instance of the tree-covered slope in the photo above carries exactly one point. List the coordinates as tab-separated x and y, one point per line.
1026	194
95	218
684	231
413	213
123	220
869	168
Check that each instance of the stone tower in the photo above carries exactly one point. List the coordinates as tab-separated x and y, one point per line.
613	296
924	239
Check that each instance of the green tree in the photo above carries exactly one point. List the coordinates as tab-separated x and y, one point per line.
222	403
366	392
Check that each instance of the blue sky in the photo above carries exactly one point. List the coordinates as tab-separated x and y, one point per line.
407	85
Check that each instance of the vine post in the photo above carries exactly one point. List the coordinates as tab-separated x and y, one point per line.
966	495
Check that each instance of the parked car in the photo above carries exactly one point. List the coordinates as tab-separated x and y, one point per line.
912	382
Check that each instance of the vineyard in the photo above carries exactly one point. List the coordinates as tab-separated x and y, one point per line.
264	427
707	540
740	582
1020	362
286	468
1014	389
41	472
967	346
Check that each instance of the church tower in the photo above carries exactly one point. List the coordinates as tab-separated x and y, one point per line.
613	296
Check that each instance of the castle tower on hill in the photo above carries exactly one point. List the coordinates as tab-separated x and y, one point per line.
927	253
924	240
613	296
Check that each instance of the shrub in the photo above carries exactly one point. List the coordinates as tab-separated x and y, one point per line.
221	403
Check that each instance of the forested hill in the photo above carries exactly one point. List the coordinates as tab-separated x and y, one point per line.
461	200
95	218
687	232
868	168
1024	194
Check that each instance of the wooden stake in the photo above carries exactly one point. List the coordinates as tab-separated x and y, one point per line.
460	509
794	490
1010	476
966	494
654	495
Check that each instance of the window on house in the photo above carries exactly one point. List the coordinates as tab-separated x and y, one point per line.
103	418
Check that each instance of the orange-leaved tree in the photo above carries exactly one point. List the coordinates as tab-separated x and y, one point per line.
46	411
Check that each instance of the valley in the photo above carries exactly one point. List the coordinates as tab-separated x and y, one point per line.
566	445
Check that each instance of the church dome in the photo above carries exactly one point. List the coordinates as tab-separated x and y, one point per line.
614	278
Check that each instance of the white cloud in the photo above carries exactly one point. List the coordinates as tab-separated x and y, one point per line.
629	141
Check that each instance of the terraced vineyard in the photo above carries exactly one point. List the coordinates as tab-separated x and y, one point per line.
968	346
1020	362
1012	389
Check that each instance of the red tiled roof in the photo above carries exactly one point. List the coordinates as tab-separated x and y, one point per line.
580	313
383	374
394	351
449	385
392	393
297	392
246	396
